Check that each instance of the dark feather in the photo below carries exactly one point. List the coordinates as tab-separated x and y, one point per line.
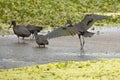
62	31
33	28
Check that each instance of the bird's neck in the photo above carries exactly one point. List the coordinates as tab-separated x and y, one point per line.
14	25
88	22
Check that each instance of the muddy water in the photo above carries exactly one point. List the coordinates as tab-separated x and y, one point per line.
104	45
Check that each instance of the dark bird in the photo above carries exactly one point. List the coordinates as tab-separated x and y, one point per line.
79	28
33	28
20	30
41	40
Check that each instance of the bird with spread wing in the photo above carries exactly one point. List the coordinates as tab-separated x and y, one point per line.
79	28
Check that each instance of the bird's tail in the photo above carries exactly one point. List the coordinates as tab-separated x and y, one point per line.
88	34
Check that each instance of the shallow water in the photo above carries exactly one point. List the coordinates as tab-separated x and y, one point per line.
105	45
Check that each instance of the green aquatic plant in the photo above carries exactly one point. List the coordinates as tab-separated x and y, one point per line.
71	70
54	13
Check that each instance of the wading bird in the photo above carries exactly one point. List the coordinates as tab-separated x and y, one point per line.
41	40
19	30
81	34
79	28
33	28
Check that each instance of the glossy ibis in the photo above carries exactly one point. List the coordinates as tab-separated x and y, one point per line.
41	40
33	28
79	28
19	30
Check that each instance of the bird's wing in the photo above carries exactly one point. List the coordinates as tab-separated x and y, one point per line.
62	31
39	27
23	30
34	28
80	27
89	20
31	27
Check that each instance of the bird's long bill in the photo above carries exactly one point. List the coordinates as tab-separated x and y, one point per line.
10	26
101	17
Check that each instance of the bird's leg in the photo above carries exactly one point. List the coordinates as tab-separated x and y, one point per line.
80	40
22	38
83	40
18	39
33	36
23	41
81	43
39	46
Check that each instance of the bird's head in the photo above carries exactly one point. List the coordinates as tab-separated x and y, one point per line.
12	23
89	19
96	17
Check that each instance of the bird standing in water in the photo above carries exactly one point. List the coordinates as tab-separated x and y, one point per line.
79	28
81	34
19	30
41	40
